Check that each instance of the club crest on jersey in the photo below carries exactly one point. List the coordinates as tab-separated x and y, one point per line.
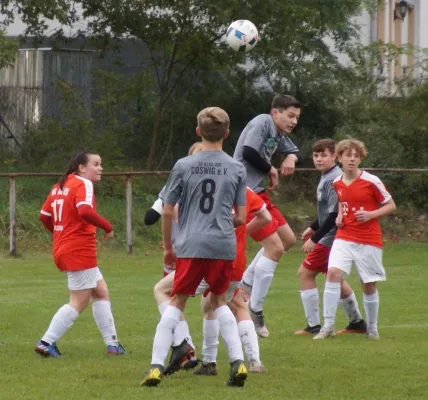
270	145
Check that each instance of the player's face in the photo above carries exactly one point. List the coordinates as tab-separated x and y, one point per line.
287	119
323	160
350	160
92	170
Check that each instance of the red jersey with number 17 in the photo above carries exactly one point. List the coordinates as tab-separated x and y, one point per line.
364	193
255	204
74	240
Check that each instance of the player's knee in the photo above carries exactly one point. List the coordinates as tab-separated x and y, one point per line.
334	275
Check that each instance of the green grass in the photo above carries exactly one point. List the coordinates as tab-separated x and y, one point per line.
348	367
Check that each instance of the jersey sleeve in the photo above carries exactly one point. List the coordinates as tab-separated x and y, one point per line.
174	186
85	193
287	146
241	193
381	193
257	133
47	208
332	200
255	203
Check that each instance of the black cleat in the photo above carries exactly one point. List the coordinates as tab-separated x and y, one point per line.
209	369
259	323
182	357
309	330
238	374
355	327
154	376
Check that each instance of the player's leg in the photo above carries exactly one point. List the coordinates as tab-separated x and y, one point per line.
263	275
80	284
286	235
247	332
101	310
339	266
310	298
217	275
188	274
352	311
369	266
248	277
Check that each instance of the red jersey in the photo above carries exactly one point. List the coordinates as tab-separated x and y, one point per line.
364	193
254	205
74	241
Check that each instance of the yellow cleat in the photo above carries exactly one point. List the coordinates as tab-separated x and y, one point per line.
238	374
153	377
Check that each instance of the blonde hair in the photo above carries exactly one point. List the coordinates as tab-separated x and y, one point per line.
195	148
348	144
213	123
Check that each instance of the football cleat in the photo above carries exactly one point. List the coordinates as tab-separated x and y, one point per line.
47	350
182	357
259	323
238	374
117	350
355	327
257	367
309	330
208	369
325	333
374	335
154	376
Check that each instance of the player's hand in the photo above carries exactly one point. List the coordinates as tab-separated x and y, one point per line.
273	176
339	221
308	246
363	215
169	258
108	236
307	234
288	165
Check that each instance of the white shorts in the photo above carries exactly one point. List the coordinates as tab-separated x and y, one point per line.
229	294
366	258
85	279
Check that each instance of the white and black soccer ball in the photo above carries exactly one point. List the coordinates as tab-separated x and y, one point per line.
242	35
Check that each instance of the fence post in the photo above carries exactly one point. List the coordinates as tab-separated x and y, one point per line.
129	214
12	214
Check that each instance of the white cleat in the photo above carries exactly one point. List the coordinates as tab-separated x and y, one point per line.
325	333
373	335
257	367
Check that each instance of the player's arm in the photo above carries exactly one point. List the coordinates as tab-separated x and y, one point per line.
262	218
154	213
167	216
90	216
339	219
240	202
46	215
386	208
292	156
310	230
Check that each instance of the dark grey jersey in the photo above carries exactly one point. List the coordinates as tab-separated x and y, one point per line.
261	134
327	202
208	184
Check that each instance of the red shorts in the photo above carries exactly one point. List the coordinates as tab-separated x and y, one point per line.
189	273
317	259
277	219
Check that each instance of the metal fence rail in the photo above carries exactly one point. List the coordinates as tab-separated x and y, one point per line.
128	176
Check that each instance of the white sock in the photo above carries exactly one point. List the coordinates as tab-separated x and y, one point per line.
350	307
263	276
311	305
101	310
248	335
331	302
162	306
229	332
164	334
181	333
61	322
371	305
248	276
211	330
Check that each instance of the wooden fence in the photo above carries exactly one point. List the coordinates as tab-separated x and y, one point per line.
128	176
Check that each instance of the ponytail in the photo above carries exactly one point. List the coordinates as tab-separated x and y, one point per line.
81	158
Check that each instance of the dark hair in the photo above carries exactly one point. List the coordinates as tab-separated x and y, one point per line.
282	102
81	158
324	144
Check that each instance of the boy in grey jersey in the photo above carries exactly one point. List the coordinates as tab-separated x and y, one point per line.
258	142
318	239
208	185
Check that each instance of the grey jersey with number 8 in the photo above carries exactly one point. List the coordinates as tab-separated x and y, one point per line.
208	184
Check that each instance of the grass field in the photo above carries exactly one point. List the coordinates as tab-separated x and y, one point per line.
348	367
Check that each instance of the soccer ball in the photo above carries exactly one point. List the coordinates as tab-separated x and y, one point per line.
242	35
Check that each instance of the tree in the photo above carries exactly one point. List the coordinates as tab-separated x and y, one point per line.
183	36
8	49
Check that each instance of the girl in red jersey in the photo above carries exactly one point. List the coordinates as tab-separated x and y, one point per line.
69	213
